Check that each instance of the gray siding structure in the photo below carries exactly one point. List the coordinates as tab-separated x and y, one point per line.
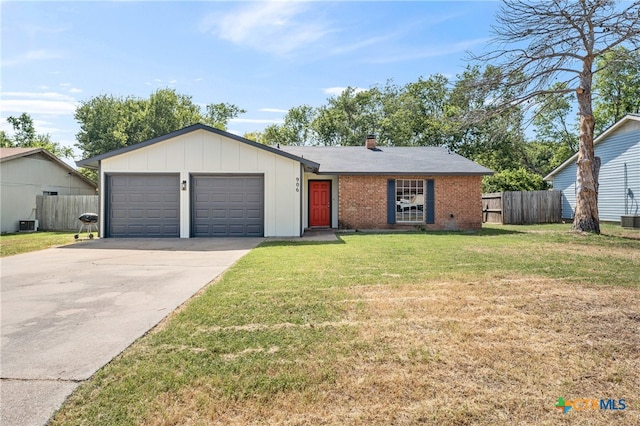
619	191
26	173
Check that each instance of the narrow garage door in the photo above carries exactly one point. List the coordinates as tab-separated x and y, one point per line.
144	206
227	206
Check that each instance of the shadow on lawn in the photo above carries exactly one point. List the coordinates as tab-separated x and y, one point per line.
277	242
304	241
484	232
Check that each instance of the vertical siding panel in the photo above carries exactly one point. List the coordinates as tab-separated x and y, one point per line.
620	172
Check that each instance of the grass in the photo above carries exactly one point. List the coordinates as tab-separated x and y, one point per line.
438	328
22	242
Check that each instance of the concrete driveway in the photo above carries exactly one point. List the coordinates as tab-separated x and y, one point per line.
68	311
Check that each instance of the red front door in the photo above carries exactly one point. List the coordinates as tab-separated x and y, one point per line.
320	203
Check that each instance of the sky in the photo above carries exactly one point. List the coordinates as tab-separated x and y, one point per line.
265	57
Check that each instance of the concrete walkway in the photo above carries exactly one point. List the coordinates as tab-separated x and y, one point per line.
68	311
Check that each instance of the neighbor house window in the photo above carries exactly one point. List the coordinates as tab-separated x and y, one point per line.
49	192
410	200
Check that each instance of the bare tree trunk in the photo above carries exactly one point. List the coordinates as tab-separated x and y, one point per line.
586	217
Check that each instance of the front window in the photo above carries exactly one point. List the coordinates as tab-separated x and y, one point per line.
410	200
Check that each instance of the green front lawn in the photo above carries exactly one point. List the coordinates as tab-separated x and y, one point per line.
24	242
435	328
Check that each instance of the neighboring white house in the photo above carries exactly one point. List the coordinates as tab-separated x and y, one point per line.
619	181
28	172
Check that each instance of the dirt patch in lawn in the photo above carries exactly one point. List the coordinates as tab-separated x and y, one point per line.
458	353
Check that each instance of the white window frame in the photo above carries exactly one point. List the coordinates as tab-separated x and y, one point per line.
411	200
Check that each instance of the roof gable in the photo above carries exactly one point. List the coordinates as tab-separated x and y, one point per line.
8	154
601	138
93	162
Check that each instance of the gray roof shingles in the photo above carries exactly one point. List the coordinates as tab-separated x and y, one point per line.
388	160
341	160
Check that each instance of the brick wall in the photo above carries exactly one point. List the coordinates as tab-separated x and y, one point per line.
363	202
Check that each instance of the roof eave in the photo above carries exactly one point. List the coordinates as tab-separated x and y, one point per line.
404	173
596	141
94	162
22	154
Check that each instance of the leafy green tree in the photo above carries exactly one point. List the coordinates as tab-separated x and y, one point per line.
417	114
275	134
479	133
5	140
541	42
329	126
255	136
519	179
348	118
617	84
296	130
219	115
543	157
108	122
552	119
168	111
25	136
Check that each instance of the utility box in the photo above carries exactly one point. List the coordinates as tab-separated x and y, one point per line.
28	225
630	221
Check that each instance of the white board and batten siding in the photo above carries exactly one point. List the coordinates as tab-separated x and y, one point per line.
202	152
619	179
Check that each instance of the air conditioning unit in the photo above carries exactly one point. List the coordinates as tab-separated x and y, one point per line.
630	221
28	225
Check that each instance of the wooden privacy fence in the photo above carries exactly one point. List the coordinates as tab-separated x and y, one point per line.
61	212
522	207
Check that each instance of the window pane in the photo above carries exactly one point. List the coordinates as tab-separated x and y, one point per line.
410	200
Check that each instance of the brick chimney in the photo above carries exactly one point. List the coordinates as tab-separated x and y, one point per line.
371	142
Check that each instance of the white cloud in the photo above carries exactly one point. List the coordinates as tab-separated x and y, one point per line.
160	82
278	110
361	44
32	56
43	126
38	103
38	95
429	52
75	90
275	26
337	91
